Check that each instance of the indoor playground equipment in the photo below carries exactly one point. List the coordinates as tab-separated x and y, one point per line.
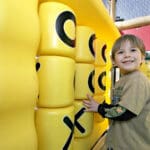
69	42
19	39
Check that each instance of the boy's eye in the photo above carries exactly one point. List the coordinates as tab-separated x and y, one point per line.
120	52
133	50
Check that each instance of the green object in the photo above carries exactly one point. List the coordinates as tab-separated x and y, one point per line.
147	55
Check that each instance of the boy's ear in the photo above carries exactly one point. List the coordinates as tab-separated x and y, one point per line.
113	62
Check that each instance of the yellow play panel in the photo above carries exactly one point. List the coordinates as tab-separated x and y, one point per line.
93	13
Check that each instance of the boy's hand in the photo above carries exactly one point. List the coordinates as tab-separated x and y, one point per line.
90	104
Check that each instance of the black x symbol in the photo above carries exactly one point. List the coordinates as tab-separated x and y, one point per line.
68	122
77	116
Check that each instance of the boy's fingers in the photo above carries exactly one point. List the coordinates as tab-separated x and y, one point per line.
89	97
86	105
86	102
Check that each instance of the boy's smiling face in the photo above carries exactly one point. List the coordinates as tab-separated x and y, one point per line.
128	58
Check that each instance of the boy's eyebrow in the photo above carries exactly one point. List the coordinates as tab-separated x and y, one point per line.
130	48
135	47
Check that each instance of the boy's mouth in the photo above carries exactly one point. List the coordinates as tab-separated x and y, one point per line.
128	61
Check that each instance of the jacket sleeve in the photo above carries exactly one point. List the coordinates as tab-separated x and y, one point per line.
115	112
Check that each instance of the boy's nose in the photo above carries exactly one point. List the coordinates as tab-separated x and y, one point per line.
127	54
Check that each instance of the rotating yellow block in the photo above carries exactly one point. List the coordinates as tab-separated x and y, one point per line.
56	81
55	128
83	120
99	129
100	80
85	37
84	80
82	143
58	24
108	79
100	52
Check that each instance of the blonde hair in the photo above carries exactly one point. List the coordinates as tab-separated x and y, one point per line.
134	40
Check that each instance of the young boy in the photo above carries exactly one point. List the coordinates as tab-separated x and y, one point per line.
130	111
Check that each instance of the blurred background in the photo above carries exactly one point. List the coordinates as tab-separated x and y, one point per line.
129	9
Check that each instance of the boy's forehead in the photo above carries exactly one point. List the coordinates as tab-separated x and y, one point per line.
127	43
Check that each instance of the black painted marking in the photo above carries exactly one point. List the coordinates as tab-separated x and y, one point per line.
37	66
64	16
68	122
100	79
77	116
103	52
90	79
92	38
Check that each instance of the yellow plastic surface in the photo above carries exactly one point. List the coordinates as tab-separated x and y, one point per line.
98	129
51	42
85	37
100	80
84	80
19	39
82	143
56	80
85	120
100	52
146	68
93	13
55	128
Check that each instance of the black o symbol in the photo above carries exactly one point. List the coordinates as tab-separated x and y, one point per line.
100	83
64	16
92	38
90	81
103	52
